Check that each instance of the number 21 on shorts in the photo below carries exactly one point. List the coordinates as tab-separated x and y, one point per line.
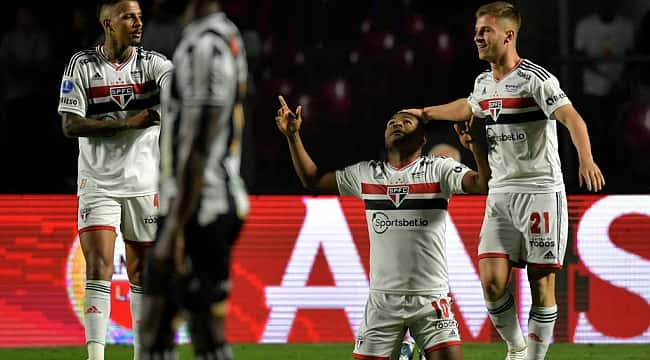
441	306
535	219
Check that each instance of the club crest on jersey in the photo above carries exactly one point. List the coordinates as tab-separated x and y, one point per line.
495	108
397	194
122	95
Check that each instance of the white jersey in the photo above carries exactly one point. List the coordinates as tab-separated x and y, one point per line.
210	67
521	135
406	212
126	163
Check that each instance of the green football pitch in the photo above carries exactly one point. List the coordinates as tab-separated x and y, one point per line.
471	351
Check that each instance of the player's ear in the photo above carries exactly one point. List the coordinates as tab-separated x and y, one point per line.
510	36
107	24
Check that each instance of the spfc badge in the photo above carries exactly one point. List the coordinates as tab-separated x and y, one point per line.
122	95
397	194
495	108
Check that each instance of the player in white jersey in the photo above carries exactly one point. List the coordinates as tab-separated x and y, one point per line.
109	100
203	201
526	215
406	200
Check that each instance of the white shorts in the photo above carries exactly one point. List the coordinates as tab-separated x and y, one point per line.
429	318
527	229
136	217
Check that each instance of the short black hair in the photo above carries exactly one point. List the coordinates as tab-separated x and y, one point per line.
104	3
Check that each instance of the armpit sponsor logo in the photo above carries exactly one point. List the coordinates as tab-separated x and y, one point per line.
555	98
381	222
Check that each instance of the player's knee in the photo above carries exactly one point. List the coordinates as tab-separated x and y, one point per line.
493	289
98	268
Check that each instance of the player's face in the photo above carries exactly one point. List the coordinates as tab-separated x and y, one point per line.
402	128
126	22
490	38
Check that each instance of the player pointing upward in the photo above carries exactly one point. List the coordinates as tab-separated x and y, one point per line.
406	201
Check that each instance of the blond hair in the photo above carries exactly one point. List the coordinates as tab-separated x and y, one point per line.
501	10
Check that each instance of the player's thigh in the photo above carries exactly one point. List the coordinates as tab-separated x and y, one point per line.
433	325
98	218
499	238
208	248
383	326
140	218
543	220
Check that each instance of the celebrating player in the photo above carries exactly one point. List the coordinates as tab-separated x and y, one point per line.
110	101
526	212
406	201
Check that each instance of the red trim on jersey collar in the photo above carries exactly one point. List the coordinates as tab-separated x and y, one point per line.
117	67
405	166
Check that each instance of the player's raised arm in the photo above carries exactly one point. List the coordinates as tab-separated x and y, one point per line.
77	126
311	177
589	172
457	110
474	182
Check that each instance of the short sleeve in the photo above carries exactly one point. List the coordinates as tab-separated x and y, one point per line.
72	96
451	173
348	180
549	96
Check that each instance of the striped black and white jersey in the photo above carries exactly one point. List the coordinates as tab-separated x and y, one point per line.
406	212
521	132
126	163
210	71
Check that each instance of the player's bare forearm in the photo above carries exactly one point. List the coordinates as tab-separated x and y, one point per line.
74	126
476	182
458	110
308	172
577	127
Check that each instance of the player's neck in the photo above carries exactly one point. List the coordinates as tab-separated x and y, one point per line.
398	159
505	65
115	53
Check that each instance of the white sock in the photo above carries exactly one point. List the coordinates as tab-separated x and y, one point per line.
136	315
504	318
540	330
96	315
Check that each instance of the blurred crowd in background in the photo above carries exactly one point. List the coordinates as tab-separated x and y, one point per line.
351	65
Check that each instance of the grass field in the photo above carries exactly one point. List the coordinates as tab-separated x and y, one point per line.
471	351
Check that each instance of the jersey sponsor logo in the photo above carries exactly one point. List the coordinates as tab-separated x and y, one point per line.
549	255
397	194
69	101
382	222
542	243
555	98
522	74
494	138
97	76
122	95
445	324
151	219
67	86
513	87
495	107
